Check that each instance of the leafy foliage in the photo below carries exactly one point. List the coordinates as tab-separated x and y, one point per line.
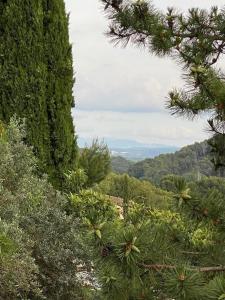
169	245
75	181
40	244
93	206
59	90
132	189
216	288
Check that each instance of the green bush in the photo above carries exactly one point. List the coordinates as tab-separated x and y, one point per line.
130	188
40	245
94	209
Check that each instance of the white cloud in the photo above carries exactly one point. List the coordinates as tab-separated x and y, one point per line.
112	78
123	82
148	128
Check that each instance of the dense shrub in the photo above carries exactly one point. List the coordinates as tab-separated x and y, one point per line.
130	188
40	245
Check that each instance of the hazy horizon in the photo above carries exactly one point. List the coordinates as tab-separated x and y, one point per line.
121	93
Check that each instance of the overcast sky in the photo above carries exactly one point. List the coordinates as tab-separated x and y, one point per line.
121	93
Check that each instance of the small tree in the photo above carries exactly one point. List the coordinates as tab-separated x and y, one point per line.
96	162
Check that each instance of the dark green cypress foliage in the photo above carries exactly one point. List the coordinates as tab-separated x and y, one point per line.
22	70
60	82
36	79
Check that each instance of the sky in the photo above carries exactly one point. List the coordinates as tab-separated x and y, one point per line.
120	93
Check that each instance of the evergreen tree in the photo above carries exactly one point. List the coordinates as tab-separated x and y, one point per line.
172	252
195	39
59	86
96	162
23	73
36	79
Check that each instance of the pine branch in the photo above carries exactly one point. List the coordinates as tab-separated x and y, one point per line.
159	267
115	4
193	253
195	39
118	10
212	269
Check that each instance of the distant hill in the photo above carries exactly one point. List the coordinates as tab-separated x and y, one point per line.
191	161
120	164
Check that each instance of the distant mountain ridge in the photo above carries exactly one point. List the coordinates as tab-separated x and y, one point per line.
192	161
138	153
113	143
132	150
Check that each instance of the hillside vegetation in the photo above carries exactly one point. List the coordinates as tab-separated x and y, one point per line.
120	164
79	246
139	191
107	236
193	162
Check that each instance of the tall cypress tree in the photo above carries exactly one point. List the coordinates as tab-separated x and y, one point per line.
22	70
59	86
36	79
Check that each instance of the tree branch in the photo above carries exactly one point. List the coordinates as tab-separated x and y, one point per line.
159	267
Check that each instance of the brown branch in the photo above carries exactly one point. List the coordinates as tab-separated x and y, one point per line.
115	4
193	253
127	34
159	267
220	51
212	269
